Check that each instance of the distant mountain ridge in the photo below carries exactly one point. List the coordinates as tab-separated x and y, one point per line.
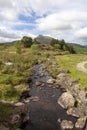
44	39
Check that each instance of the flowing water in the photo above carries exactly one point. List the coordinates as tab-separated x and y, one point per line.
45	112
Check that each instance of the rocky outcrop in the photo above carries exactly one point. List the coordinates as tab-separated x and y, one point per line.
74	99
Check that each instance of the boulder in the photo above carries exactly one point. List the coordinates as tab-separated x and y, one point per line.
80	123
81	96
65	124
66	100
21	113
76	111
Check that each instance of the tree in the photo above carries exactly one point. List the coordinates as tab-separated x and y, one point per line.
54	42
62	43
26	41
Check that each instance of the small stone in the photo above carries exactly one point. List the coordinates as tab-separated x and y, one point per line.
50	81
65	124
37	83
8	63
19	104
80	123
34	98
61	75
59	120
66	100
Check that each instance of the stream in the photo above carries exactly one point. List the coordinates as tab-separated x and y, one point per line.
45	112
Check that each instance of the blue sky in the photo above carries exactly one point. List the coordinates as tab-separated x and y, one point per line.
62	19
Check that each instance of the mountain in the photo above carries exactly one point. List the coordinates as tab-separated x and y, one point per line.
79	48
47	40
44	39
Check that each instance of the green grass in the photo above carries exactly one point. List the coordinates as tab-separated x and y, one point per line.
18	73
70	62
85	65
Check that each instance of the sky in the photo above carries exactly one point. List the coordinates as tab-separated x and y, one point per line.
61	19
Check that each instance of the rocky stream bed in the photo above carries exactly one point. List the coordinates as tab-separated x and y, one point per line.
51	104
55	104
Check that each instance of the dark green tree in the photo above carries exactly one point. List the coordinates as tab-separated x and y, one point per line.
26	41
62	43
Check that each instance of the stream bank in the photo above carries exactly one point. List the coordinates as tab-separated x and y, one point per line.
44	111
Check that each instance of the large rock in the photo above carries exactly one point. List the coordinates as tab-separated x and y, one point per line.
81	96
77	111
66	100
67	125
21	114
80	123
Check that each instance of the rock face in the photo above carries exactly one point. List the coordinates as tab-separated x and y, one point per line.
66	100
67	125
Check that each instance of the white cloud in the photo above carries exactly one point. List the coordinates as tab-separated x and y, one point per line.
61	18
82	33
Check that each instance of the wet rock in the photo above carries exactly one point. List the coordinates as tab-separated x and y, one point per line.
66	100
19	104
80	123
38	83
59	120
50	81
34	98
27	100
67	125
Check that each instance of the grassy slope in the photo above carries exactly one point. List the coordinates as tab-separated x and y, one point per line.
13	79
70	62
80	49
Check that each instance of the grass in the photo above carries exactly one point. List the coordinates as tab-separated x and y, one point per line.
18	73
70	62
85	65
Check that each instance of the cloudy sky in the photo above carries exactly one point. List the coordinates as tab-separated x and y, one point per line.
62	19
